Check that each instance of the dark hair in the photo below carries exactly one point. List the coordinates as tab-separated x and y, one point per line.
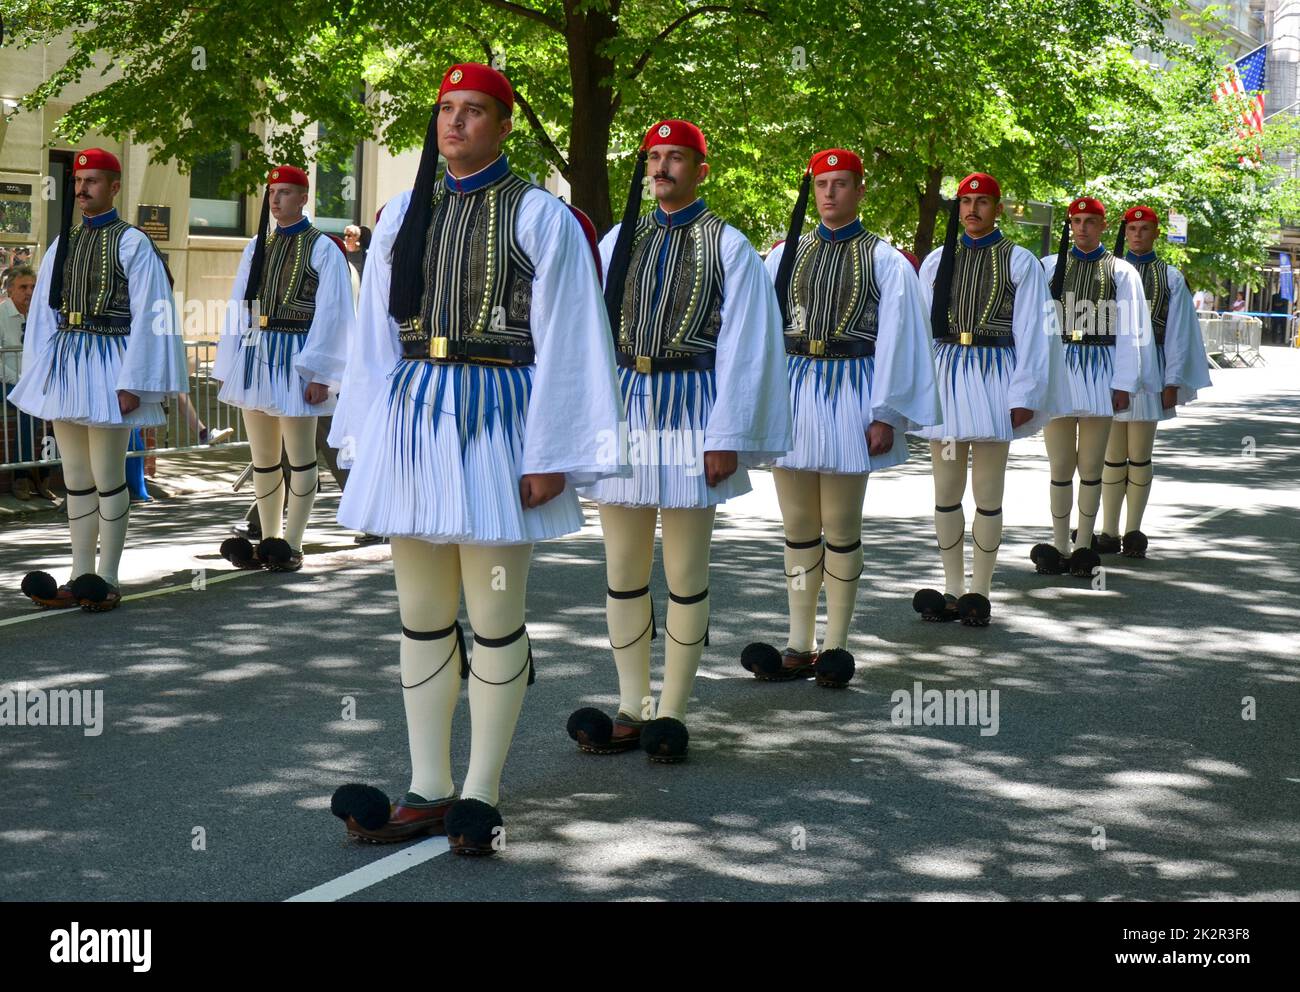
365	238
19	272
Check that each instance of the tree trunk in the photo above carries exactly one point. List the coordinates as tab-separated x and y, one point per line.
593	109
929	203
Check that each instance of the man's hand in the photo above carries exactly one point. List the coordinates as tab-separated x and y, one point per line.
880	438
1119	399
719	466
127	402
1169	397
1020	416
317	392
539	488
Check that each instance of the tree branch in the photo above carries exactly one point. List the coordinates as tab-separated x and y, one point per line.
529	13
716	8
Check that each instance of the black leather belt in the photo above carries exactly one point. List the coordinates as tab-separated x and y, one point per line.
644	363
93	323
845	348
445	351
969	339
291	325
1090	339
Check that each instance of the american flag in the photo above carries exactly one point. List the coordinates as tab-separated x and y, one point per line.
1246	76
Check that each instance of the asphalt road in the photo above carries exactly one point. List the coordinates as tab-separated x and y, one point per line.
1122	767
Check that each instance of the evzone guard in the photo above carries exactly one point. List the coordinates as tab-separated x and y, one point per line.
479	392
280	360
999	366
1109	358
1183	368
701	369
102	351
861	374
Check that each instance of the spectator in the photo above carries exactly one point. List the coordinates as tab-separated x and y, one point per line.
1239	304
355	243
13	325
1203	299
1277	324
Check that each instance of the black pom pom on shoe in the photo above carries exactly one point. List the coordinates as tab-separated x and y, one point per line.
834	668
934	605
364	803
472	827
39	585
589	726
1048	561
1082	562
1135	544
1104	544
274	550
239	552
89	588
665	740
974	610
761	659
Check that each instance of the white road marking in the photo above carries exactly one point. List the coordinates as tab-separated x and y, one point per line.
376	871
135	595
1201	518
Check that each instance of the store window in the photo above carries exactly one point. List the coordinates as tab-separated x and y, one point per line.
338	189
211	211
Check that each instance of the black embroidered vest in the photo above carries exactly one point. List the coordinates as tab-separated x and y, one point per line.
1090	282
287	294
983	300
834	297
96	294
1155	285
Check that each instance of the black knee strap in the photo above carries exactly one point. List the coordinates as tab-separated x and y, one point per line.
634	594
988	513
501	642
845	549
1140	464
1090	482
104	496
436	635
1116	464
268	468
947	509
303	468
687	601
82	492
803	545
275	488
1067	482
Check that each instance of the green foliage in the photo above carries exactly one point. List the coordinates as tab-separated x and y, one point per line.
1044	94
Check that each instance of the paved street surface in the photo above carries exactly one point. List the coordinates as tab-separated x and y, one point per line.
1122	767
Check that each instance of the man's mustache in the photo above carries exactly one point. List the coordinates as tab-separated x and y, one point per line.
663	177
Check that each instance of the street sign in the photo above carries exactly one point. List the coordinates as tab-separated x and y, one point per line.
1177	233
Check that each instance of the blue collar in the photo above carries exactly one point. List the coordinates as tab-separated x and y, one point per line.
678	218
1091	256
297	227
992	238
485	177
1136	259
850	230
107	217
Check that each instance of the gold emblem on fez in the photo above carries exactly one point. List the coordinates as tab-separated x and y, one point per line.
665	130
974	184
275	175
456	75
1138	215
81	160
832	160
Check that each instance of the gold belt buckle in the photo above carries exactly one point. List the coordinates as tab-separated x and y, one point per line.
74	319
967	337
1076	334
643	364
263	320
816	347
438	347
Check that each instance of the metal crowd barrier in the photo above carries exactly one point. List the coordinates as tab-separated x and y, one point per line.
1233	340
21	448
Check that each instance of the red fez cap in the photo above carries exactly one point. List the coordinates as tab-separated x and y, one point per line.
835	160
96	158
981	184
1142	213
479	77
1087	205
675	132
287	174
589	231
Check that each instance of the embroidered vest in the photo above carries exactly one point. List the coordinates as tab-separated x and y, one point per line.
672	300
1155	285
96	294
287	294
834	295
1091	282
983	298
478	282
